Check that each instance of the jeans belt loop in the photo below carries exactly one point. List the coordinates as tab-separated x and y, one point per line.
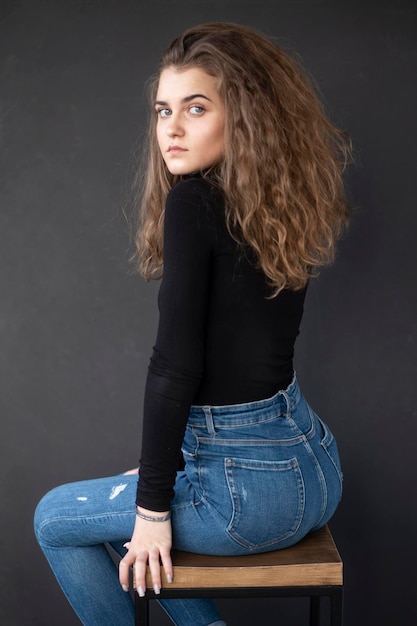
288	403
209	420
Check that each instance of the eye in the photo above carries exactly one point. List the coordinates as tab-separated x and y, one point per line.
163	112
195	109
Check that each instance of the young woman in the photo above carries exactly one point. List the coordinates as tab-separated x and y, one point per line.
242	202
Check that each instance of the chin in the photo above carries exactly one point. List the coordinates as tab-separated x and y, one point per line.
181	171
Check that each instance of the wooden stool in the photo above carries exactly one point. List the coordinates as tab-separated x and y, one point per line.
312	568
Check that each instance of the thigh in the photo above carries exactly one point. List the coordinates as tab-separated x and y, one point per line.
87	512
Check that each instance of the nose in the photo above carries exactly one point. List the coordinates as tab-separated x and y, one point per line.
174	127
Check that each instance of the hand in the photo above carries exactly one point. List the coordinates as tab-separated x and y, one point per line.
150	543
131	471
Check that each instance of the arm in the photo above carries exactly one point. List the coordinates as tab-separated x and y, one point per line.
175	371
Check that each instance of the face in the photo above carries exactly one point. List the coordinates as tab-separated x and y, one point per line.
190	122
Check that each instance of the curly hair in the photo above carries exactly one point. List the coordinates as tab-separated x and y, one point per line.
281	174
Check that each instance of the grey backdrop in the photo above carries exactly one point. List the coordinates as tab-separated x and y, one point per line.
77	329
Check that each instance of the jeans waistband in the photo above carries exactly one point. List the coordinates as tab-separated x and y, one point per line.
282	403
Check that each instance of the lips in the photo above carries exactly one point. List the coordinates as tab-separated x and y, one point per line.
176	149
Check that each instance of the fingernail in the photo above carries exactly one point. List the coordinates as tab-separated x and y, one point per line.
141	592
157	589
125	588
169	578
126	545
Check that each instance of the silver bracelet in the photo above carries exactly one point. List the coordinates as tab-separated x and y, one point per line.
151	518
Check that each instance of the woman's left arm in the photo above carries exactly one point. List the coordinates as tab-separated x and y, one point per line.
175	372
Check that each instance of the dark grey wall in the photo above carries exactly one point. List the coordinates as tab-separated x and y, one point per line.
76	329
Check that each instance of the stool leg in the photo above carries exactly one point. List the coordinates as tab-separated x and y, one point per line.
141	611
315	610
337	608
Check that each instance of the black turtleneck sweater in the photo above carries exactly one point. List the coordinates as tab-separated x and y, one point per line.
220	339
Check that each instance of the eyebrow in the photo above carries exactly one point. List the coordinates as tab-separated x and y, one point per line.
184	100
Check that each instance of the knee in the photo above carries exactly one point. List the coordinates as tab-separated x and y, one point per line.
47	516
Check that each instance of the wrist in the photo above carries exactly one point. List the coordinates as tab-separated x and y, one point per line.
152	516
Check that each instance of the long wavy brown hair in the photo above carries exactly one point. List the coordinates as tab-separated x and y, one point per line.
281	174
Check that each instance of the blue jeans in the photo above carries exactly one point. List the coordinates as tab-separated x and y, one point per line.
258	476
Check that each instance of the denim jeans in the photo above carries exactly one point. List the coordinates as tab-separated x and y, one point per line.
258	476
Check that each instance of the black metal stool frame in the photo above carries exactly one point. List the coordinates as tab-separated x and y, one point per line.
315	593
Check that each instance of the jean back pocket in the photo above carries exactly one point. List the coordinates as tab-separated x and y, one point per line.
268	501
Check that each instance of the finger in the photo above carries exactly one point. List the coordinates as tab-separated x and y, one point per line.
139	568
167	565
155	569
124	568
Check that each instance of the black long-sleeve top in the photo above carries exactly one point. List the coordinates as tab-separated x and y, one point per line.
220	339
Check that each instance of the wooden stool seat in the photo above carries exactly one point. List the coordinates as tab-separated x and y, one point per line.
312	568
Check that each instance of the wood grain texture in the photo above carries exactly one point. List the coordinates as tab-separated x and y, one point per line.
313	561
